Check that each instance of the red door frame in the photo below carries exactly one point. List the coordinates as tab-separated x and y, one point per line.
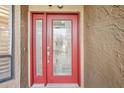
45	59
38	79
73	77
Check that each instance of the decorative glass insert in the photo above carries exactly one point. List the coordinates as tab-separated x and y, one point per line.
5	42
39	47
62	47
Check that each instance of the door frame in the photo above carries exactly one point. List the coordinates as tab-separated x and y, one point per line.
31	40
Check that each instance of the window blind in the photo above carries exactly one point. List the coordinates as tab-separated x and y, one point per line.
5	42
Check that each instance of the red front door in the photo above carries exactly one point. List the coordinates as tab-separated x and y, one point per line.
54	52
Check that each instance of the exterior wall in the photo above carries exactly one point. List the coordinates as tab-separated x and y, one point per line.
66	8
24	46
104	46
103	40
15	82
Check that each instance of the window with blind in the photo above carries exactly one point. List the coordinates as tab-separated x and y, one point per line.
5	42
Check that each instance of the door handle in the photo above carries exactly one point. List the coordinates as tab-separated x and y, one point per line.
48	55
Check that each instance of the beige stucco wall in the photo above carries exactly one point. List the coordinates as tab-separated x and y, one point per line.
15	82
70	8
104	46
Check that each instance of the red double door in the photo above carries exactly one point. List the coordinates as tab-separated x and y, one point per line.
54	48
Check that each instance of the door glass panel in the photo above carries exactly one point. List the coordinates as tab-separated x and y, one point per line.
39	47
62	61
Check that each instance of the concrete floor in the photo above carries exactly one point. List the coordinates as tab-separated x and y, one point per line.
55	86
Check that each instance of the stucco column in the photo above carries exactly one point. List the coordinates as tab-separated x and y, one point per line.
24	46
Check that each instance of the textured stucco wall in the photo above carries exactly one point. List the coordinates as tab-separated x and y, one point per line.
24	45
104	46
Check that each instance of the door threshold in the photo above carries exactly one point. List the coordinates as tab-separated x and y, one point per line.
56	85
38	86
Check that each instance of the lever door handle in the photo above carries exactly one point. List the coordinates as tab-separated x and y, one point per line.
48	55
